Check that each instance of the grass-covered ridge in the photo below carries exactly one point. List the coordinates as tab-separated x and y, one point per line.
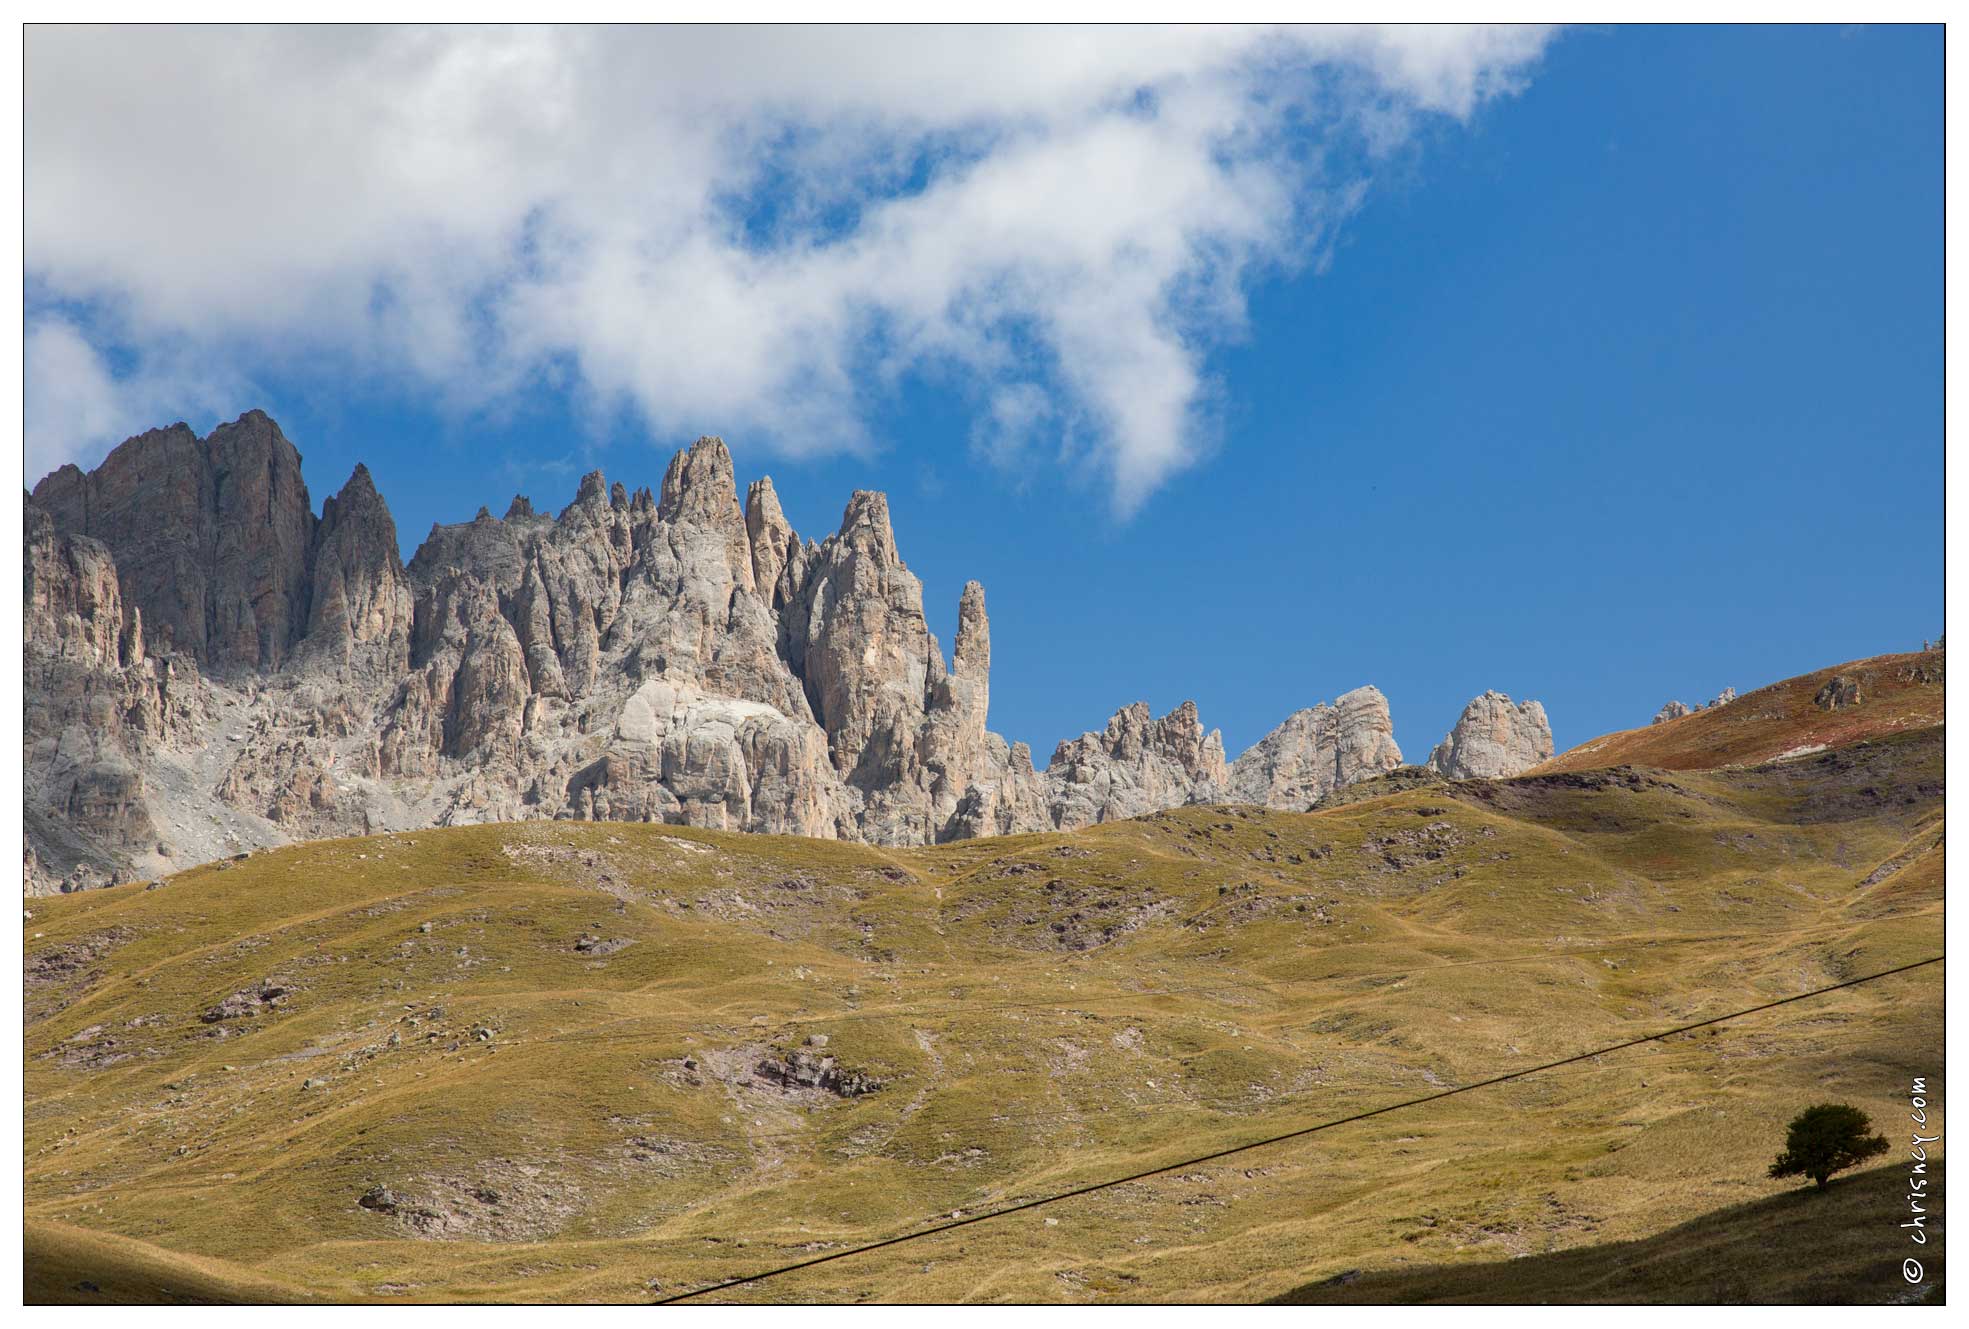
1885	694
522	1062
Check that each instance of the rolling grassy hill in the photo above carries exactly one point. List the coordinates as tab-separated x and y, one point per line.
612	1062
1895	693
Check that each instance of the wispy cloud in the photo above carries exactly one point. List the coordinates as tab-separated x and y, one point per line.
78	404
758	232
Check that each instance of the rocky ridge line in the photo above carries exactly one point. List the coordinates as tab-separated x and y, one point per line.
213	667
1675	710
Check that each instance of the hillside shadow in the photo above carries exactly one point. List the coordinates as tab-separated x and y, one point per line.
1840	1246
70	1266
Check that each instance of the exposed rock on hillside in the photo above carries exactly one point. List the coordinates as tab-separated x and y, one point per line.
1494	738
683	756
1779	721
1318	750
808	1067
1839	691
211	537
1673	710
97	700
1137	764
360	606
212	667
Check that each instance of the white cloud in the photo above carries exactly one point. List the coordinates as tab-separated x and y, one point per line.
753	231
77	406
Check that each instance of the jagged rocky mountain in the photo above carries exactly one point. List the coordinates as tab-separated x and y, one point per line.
212	667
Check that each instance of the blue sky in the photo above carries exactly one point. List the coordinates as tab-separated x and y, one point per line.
1619	383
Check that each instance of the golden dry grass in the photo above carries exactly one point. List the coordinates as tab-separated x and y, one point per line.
585	1125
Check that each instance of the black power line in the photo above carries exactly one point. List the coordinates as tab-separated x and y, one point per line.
1112	1182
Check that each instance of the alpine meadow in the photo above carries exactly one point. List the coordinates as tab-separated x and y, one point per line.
978	664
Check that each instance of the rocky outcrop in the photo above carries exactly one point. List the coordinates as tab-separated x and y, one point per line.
854	632
1494	739
809	1066
1012	801
1838	693
72	602
682	756
773	542
1137	764
359	603
1318	750
1675	710
212	667
955	750
96	701
211	537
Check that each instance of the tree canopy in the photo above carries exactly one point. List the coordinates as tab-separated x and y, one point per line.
1826	1139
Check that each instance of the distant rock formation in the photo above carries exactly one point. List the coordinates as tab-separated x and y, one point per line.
1138	764
212	667
1318	750
1838	693
1675	710
1494	739
211	536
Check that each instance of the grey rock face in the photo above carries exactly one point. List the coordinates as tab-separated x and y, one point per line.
854	630
1141	764
96	702
683	756
1137	764
212	667
1839	692
1673	710
1318	750
1494	739
774	544
1364	736
360	607
211	537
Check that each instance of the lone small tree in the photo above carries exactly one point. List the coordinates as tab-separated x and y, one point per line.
1826	1139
